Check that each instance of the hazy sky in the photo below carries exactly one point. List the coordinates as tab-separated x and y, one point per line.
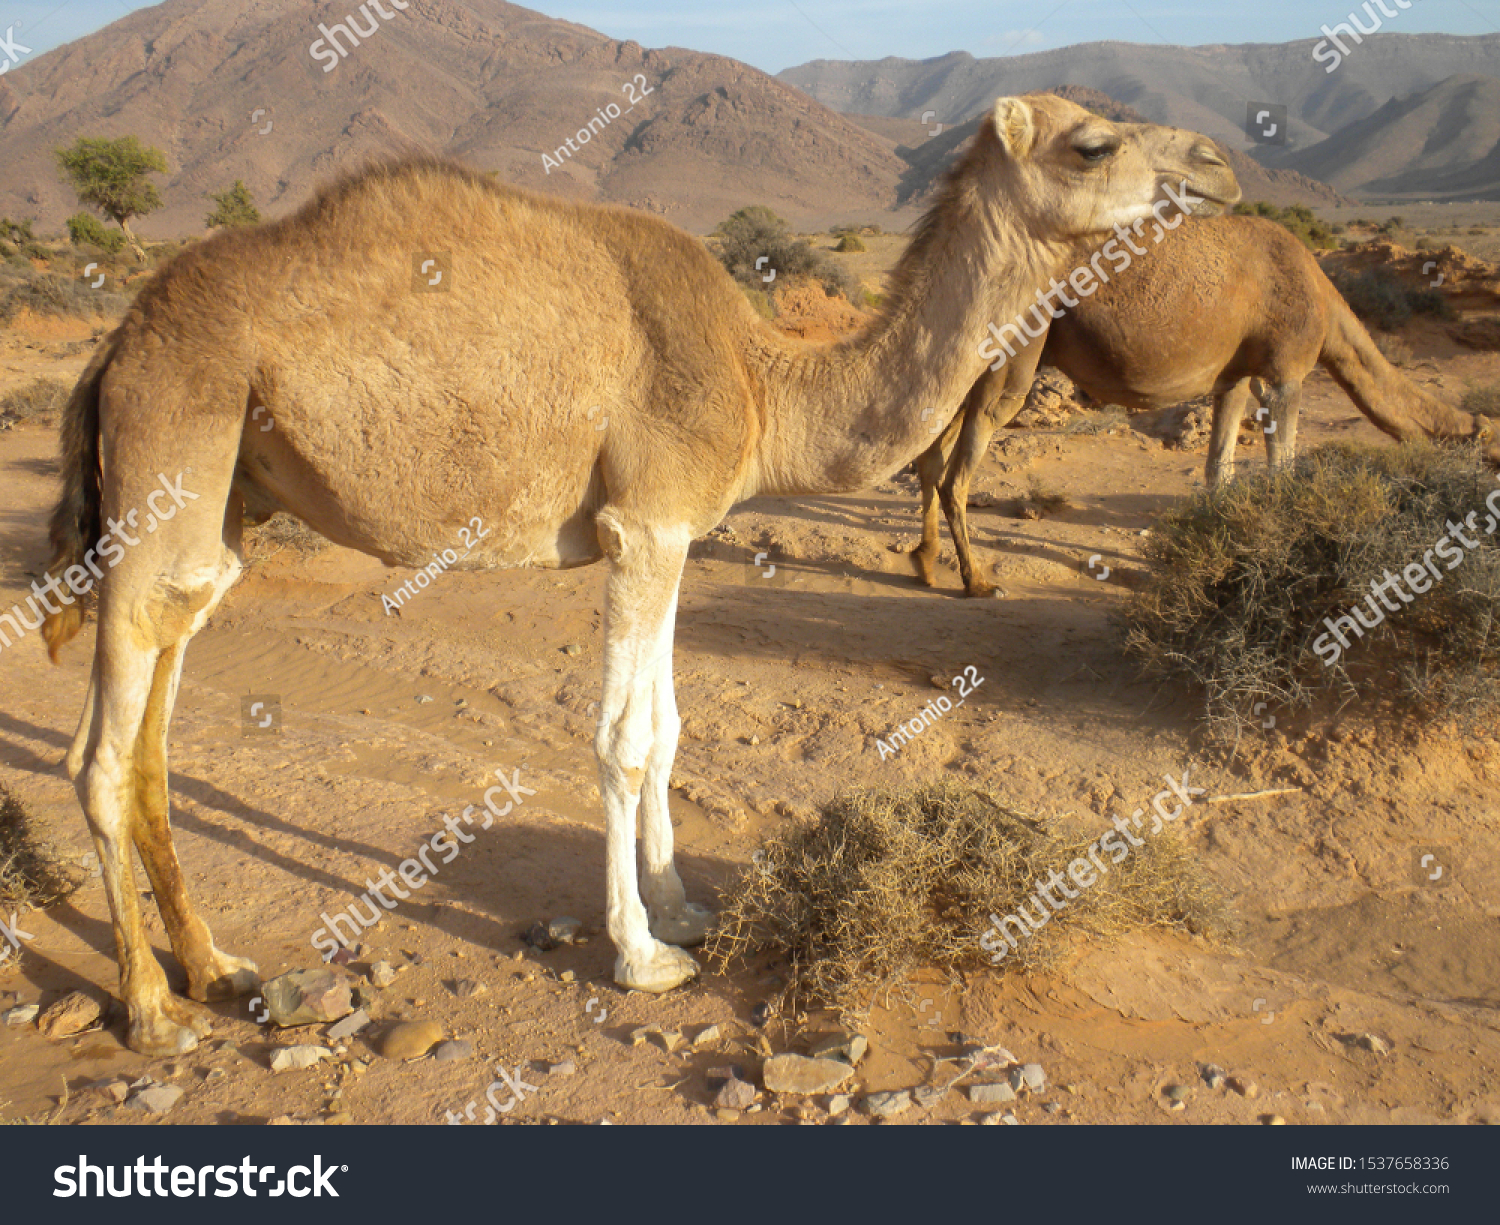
775	34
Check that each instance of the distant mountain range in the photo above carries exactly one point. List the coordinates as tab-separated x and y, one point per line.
286	95
1403	115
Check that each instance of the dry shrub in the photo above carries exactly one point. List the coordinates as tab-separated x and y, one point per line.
59	296
283	531
1093	421
885	883
32	874
1240	580
41	399
1484	401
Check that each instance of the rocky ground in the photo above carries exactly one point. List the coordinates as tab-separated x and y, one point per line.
1355	988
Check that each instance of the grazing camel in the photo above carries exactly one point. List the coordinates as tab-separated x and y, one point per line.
1222	303
400	411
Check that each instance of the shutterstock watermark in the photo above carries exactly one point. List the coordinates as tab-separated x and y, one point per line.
1419	575
1333	55
333	49
184	1181
447	841
81	579
11	936
1119	842
515	1085
10	50
1086	278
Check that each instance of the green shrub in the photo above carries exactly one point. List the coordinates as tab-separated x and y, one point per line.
1381	298
1298	219
757	234
1244	581
50	294
850	242
84	229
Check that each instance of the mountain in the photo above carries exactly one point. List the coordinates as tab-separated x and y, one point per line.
1206	88
1442	141
252	90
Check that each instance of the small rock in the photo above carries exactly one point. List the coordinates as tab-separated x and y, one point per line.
294	1058
72	1014
158	1099
1273	1120
306	997
1213	1075
706	1036
563	1067
381	974
841	1045
22	1014
453	1050
668	1039
564	929
538	937
887	1105
642	1032
1244	1087
1052	1107
573	648
1177	1093
760	1014
349	1026
990	1095
1035	1078
113	1088
410	1039
717	1076
1367	1042
735	1094
726	1116
567	976
423	699
928	1096
799	1074
839	1103
340	1118
468	988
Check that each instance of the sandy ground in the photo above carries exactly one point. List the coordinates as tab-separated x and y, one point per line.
389	722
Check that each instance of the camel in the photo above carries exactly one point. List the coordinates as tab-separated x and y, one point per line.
399	411
1225	306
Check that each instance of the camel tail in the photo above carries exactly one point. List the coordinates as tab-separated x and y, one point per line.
77	521
1388	398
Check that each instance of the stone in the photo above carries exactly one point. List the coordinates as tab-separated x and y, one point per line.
990	1095
799	1074
563	1067
887	1105
735	1094
381	974
567	976
1177	1093
928	1096
1273	1120
726	1116
295	1058
423	699
539	938
21	1014
468	988
307	997
841	1045
1213	1075
74	1013
573	648
1244	1087
564	929
349	1026
1034	1077
642	1032
112	1088
157	1099
668	1039
410	1039
706	1036
839	1103
717	1076
1368	1042
453	1050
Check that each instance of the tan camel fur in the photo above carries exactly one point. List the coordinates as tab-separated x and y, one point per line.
400	413
1222	306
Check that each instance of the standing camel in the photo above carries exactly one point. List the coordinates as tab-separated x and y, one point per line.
1220	304
400	412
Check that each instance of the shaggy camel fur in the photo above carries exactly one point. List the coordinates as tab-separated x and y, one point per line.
1223	306
400	413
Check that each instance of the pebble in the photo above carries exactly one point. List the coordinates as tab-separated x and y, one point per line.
307	997
563	1067
410	1039
839	1103
887	1105
158	1099
1244	1087
1177	1093
349	1026
467	988
74	1013
641	1032
294	1058
668	1039
22	1014
841	1045
726	1115
453	1050
539	937
573	648
734	1094
564	929
928	1096
1273	1120
381	974
800	1074
567	976
1213	1075
112	1087
1028	1076
706	1036
1368	1042
1052	1107
423	699
989	1095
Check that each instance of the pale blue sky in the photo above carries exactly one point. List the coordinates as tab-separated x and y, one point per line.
775	34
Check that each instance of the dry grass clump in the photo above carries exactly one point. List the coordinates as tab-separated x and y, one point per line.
59	296
1482	400
32	874
1097	421
1241	579
40	400
885	883
283	531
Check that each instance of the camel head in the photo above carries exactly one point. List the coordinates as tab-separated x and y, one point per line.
1074	176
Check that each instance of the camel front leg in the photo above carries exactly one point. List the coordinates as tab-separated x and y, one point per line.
929	467
1229	411
674	919
1281	400
639	603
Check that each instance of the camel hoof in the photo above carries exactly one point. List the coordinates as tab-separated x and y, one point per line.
982	590
666	968
921	564
228	979
684	927
161	1035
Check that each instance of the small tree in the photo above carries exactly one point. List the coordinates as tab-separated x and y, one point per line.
110	175
84	229
232	207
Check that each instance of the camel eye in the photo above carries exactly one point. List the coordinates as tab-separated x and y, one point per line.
1096	153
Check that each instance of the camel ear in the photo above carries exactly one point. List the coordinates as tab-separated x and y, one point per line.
1015	126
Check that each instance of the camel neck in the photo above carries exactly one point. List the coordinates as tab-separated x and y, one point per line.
839	417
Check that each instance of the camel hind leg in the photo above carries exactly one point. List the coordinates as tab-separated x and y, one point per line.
1229	411
1281	401
929	465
